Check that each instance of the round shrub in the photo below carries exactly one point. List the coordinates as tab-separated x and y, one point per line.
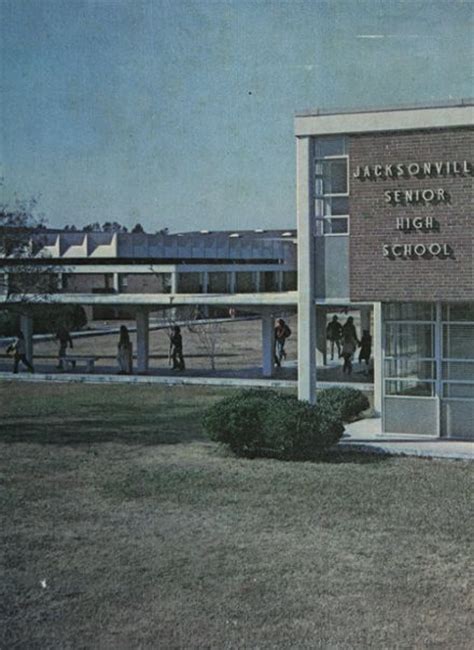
346	403
267	423
299	430
238	420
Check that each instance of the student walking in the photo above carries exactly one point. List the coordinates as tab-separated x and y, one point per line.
176	349
334	335
18	347
365	347
124	352
349	345
349	329
64	338
282	332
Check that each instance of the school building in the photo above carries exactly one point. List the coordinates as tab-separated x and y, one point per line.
385	221
384	228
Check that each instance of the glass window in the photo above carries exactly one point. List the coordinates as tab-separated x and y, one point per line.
459	311
244	282
458	341
189	283
458	390
458	370
333	145
334	174
411	339
410	368
337	205
218	282
335	226
332	206
409	311
269	281
290	281
409	388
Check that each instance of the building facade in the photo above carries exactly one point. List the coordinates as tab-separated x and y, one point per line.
385	223
384	229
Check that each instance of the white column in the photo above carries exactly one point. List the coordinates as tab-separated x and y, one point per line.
116	282
306	283
26	326
378	357
142	341
321	337
172	313
174	282
438	346
267	344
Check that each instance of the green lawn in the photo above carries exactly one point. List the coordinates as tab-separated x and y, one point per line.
149	536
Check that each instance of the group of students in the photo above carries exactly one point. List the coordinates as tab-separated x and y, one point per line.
124	350
344	338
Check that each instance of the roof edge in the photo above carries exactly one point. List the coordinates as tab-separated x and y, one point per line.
452	103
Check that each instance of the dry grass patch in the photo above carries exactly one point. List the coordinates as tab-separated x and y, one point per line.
153	543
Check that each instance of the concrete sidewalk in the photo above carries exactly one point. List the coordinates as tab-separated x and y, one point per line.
238	378
367	435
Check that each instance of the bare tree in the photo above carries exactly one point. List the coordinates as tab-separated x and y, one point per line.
26	275
209	335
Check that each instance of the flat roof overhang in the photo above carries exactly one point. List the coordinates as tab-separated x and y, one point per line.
318	123
151	300
165	300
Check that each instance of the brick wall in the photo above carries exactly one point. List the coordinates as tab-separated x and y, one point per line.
373	220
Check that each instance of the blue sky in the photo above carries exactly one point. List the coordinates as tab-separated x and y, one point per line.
180	114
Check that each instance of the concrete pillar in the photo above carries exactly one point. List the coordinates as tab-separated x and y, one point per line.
377	351
174	282
172	313
306	280
438	349
321	334
268	344
142	341
26	326
116	282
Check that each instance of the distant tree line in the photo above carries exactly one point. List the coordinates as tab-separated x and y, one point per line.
112	226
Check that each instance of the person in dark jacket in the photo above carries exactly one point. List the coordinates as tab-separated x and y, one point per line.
365	347
334	335
176	348
18	347
124	352
349	346
64	338
282	332
349	329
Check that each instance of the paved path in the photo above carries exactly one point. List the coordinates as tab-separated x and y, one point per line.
245	377
366	434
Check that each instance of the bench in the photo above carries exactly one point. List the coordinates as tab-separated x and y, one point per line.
72	361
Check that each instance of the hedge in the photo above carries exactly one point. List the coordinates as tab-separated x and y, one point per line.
267	423
346	403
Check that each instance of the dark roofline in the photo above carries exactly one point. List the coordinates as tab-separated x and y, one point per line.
453	103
